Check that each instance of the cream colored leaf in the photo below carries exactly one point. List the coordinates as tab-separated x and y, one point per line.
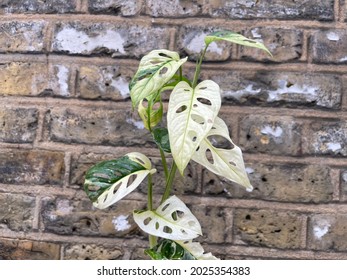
221	161
172	220
196	250
155	70
190	116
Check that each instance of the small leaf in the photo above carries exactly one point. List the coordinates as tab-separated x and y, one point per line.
169	250
190	116
150	116
161	138
234	38
109	181
195	249
155	70
172	220
224	162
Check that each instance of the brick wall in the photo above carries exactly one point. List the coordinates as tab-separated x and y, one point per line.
64	99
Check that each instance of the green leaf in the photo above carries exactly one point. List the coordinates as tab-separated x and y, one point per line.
161	138
150	115
221	161
155	70
172	220
234	38
190	116
109	181
169	250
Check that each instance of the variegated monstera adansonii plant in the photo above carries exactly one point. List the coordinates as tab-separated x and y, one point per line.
192	126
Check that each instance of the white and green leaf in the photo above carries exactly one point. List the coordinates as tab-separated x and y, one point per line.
236	39
109	181
151	113
171	220
155	70
196	250
191	114
226	162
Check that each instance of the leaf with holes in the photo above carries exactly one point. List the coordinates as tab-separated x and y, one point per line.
196	250
155	70
234	38
151	113
172	220
226	162
109	181
190	116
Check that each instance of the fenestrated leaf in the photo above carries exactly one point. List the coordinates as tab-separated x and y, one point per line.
150	116
190	116
109	181
155	70
169	250
234	38
195	250
224	162
161	138
172	220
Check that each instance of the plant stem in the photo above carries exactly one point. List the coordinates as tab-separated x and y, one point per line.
152	238
169	182
198	67
163	161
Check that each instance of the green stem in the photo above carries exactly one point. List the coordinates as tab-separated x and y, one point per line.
164	163
169	182
198	67
152	238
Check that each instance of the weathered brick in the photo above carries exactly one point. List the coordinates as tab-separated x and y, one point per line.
117	40
329	46
60	84
216	223
327	232
286	183
22	36
191	43
268	228
284	44
23	78
270	134
31	167
325	137
18	125
104	82
96	126
287	89
91	252
115	7
274	9
28	250
344	182
176	8
17	211
72	217
37	6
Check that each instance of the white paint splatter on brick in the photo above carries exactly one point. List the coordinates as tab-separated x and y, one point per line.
138	124
242	92
273	131
63	80
334	146
322	229
256	34
121	223
249	170
310	92
332	36
73	41
64	207
122	85
343	59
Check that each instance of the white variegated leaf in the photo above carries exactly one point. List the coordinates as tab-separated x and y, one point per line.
196	250
221	161
190	116
172	220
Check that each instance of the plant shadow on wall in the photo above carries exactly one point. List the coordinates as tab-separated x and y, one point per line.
192	133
